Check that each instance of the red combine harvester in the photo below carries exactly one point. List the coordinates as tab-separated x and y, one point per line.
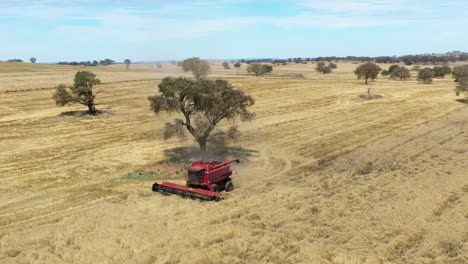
204	181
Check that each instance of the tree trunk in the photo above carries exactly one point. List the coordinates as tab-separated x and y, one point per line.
202	144
91	109
366	79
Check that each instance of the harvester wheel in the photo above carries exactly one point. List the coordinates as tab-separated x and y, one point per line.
215	188
229	187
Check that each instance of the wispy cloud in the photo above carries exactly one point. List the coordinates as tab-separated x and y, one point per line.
129	22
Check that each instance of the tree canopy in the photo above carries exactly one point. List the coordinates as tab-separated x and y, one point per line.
320	66
440	72
400	72
259	69
80	92
367	70
325	69
203	104
425	75
33	60
197	66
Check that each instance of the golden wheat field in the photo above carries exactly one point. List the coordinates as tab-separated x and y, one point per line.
325	177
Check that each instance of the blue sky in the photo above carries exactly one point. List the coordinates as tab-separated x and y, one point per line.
54	30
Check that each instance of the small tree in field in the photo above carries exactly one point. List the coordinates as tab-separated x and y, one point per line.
440	72
367	70
80	92
461	77
198	67
226	65
392	68
203	104
159	66
33	60
127	63
326	70
401	73
385	73
237	65
425	75
320	66
259	69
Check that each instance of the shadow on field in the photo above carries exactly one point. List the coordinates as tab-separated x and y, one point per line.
193	153
463	101
84	113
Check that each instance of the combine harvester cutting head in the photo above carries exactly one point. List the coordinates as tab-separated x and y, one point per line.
204	181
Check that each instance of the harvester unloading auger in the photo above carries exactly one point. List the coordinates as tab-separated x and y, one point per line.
204	181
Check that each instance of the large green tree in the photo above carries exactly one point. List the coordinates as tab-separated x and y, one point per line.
203	105
197	66
367	70
80	92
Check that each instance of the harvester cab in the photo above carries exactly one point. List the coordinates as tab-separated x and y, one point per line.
205	180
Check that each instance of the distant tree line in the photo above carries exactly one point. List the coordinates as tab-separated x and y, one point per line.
15	60
88	63
406	59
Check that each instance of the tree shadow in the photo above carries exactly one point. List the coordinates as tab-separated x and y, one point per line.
367	97
83	113
193	153
463	101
